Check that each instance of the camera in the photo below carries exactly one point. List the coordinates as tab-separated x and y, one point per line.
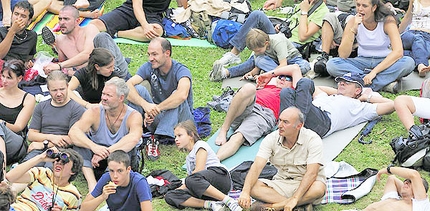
59	156
285	28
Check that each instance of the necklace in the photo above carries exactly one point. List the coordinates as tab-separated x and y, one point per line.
111	127
21	39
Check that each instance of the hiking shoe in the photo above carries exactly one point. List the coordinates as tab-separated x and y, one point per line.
415	133
393	87
218	72
229	58
233	205
218	206
152	152
320	66
226	92
48	36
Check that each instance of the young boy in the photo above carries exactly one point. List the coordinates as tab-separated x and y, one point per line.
121	188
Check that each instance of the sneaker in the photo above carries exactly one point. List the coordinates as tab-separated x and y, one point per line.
233	205
48	36
152	152
393	87
415	133
218	72
229	58
218	206
320	65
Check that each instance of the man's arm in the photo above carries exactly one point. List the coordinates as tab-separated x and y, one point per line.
82	57
177	97
58	140
290	70
383	105
250	180
91	203
324	89
20	173
418	189
129	141
146	206
133	95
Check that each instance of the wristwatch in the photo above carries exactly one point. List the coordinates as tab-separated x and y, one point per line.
388	168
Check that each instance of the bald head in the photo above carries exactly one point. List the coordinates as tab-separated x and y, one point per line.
165	44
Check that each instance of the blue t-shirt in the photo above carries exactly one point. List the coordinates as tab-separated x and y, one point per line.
125	197
162	86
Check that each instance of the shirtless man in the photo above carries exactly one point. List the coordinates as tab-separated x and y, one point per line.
75	43
410	194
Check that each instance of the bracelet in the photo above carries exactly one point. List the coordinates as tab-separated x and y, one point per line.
59	64
368	98
304	13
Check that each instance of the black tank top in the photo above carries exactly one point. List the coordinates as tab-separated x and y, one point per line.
10	114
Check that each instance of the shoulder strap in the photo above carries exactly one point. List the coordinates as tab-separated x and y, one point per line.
23	99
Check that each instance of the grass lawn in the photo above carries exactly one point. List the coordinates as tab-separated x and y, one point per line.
199	61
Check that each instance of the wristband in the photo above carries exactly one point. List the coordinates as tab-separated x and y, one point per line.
304	13
388	169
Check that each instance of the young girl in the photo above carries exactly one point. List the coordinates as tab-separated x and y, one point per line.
208	181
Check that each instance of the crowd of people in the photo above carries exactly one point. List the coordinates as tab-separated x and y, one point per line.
97	112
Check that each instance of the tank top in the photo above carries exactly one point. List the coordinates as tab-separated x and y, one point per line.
373	43
10	114
420	16
104	136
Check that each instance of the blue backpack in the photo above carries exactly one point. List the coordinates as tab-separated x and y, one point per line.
224	31
174	30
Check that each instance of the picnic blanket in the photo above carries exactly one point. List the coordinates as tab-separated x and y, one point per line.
332	146
193	42
345	185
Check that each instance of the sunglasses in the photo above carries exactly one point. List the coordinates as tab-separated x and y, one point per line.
285	77
10	66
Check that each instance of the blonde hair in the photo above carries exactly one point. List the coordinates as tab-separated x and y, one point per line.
256	38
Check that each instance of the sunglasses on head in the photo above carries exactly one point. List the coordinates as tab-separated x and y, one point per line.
10	66
285	77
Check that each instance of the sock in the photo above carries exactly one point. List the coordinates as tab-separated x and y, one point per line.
207	204
227	200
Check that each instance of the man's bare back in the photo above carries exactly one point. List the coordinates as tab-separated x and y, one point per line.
390	205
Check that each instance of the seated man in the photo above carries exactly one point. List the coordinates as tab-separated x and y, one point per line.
410	194
409	106
253	112
270	52
76	43
307	28
53	118
172	95
113	125
48	189
297	154
17	42
121	188
135	19
327	109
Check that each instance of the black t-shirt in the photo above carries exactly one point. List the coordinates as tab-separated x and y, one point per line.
152	6
23	46
89	93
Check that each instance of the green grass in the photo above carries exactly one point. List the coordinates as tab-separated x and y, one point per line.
199	61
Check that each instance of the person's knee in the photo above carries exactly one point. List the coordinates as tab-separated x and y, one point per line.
401	100
318	189
247	89
256	13
192	180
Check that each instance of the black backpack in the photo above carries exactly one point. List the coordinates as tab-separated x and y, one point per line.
412	153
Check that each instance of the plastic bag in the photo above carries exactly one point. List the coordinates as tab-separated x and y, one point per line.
42	59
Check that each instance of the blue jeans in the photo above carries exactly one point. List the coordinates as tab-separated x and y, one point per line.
266	64
401	68
165	121
257	19
416	44
301	97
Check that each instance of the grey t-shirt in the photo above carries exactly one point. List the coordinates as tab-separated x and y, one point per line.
212	159
280	47
49	119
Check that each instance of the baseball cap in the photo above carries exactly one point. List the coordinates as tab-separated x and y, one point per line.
351	77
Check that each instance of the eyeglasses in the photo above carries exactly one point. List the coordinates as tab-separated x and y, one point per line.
285	77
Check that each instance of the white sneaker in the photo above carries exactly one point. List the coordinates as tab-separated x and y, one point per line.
218	72
218	206
229	58
234	206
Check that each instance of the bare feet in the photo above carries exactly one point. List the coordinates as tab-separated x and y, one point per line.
422	70
221	138
81	4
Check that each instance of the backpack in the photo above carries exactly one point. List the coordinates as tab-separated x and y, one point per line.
224	31
170	182
239	173
174	30
412	153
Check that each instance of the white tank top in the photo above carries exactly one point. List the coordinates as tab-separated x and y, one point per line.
420	17
373	43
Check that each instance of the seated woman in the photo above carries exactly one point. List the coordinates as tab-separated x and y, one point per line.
92	78
16	108
208	181
409	106
416	40
380	59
